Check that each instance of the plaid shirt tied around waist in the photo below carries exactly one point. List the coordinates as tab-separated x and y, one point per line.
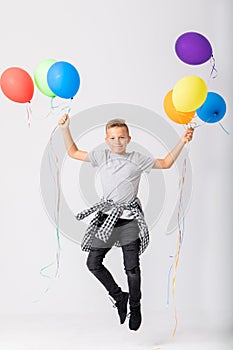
105	230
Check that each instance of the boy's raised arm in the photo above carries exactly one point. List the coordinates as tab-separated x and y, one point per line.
71	147
168	161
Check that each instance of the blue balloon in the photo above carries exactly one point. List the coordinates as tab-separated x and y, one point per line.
63	79
213	109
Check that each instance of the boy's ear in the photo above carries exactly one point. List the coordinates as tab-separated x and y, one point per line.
129	139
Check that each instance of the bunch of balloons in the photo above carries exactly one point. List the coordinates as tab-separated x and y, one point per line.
190	95
51	78
57	78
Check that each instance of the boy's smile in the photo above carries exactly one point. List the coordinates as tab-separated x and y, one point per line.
117	139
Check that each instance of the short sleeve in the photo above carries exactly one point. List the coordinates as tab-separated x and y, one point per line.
144	162
96	156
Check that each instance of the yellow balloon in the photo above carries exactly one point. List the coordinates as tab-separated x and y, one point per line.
189	93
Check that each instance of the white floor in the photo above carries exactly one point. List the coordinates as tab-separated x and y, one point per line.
75	332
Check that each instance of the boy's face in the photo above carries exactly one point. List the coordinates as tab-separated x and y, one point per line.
117	139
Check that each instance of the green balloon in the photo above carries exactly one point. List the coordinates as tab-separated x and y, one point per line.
40	76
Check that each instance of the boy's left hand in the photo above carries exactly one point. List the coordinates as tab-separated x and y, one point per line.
188	135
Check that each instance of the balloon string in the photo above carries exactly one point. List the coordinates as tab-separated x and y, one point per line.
179	242
214	72
44	269
227	132
65	105
168	282
195	125
57	207
29	113
56	179
172	256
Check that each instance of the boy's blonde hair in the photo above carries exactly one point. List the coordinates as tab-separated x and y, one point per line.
116	122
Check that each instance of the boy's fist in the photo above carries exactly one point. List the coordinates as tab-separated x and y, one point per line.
188	135
64	122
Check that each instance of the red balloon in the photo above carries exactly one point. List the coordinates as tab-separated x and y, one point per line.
17	85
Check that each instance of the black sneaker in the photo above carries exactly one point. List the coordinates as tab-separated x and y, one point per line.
135	318
122	306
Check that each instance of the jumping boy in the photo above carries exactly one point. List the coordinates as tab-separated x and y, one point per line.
119	218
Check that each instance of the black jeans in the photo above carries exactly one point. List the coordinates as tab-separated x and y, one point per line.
130	248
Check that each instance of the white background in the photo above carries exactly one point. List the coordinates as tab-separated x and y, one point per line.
124	51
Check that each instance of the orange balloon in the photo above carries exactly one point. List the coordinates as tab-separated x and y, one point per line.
173	114
17	85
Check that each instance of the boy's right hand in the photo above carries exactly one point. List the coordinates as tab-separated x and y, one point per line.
64	122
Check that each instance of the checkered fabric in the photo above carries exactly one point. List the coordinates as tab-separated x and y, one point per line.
105	230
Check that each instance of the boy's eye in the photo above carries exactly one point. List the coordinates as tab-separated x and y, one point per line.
113	138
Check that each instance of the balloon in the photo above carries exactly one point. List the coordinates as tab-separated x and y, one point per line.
193	48
189	93
17	85
63	79
213	109
173	114
40	76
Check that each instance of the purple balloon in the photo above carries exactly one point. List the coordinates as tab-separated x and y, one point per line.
193	48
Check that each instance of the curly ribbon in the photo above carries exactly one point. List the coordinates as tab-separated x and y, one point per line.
65	105
179	242
56	178
29	113
53	159
57	206
227	132
195	125
62	107
180	236
214	72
